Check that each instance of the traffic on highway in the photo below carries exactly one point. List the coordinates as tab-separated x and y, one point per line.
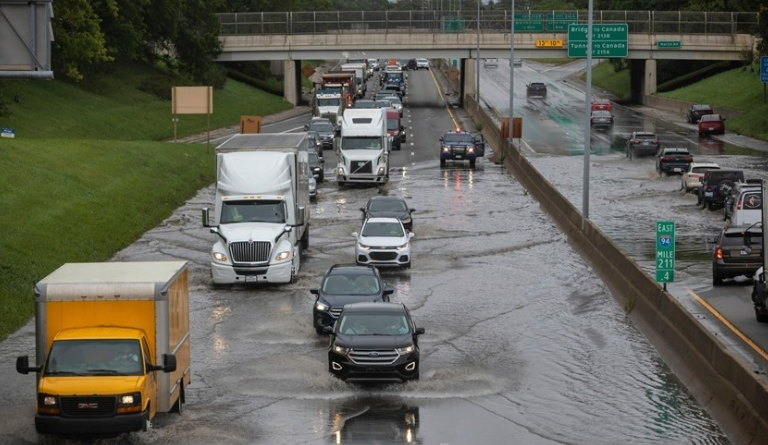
519	340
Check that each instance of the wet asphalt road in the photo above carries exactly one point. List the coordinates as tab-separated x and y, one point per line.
523	343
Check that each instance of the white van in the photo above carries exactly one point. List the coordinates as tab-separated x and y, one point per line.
745	207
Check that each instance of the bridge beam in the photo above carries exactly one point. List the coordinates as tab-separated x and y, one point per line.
642	79
468	78
292	81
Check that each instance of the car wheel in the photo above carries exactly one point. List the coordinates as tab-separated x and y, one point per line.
407	265
319	331
716	280
442	162
178	407
760	315
305	239
472	163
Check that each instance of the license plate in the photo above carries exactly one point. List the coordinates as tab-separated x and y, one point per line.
710	128
677	169
251	278
458	156
708	194
645	143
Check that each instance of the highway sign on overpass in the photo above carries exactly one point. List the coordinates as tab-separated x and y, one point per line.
608	40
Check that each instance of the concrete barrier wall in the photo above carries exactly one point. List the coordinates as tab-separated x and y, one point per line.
682	106
730	391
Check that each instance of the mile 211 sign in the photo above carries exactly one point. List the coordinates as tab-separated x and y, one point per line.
665	251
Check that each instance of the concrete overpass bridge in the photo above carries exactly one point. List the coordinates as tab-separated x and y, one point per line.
463	35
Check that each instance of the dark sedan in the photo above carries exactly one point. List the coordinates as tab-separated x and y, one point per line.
389	207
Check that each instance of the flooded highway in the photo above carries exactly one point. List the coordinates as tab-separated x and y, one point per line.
523	342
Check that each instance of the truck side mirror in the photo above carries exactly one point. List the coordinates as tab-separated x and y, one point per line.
22	365
300	213
205	217
169	363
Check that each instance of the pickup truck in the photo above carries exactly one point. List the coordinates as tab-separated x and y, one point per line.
461	145
536	89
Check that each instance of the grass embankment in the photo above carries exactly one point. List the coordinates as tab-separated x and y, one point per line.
736	89
87	173
604	76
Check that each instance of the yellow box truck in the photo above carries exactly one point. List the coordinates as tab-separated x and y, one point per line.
112	346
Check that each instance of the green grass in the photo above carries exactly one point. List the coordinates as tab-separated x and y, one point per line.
605	77
88	173
736	89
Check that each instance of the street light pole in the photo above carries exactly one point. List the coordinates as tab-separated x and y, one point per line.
477	57
587	109
511	72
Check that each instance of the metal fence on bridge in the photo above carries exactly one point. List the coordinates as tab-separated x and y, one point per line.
362	22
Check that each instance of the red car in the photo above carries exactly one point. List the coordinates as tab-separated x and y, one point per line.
711	124
601	104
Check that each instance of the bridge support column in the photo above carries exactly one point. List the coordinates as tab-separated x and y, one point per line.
642	79
467	78
292	81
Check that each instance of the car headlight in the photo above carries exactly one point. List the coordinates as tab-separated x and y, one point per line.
321	307
220	256
47	404
471	149
129	403
404	246
283	255
446	148
382	170
405	350
362	246
341	350
341	171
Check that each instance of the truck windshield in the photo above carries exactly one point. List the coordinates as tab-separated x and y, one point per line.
328	102
361	143
94	357
253	211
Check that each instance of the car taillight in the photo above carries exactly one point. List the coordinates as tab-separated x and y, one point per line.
689	159
665	158
719	253
738	204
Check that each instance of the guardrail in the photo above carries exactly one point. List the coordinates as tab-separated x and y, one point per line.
424	21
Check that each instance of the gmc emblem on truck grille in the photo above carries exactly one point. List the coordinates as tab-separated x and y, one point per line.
91	405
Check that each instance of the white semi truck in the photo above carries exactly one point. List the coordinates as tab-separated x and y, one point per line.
364	147
261	214
329	103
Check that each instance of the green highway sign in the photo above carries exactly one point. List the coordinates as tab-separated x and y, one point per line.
608	40
668	44
665	251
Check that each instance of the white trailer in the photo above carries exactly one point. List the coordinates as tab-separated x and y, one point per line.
364	147
261	214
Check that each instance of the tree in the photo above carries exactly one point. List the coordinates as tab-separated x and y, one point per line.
79	43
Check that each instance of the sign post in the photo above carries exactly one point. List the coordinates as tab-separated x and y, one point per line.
608	41
764	73
665	252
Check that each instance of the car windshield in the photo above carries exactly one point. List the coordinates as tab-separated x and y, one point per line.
701	108
314	158
352	284
703	169
321	127
365	104
736	239
370	324
95	357
252	211
383	103
386	229
458	137
387	205
395	100
645	136
601	114
537	86
392	124
710	118
354	143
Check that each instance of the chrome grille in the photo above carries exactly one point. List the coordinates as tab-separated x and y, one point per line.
361	167
373	356
250	251
336	311
88	406
383	256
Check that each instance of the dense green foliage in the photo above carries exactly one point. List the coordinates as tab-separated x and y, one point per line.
87	173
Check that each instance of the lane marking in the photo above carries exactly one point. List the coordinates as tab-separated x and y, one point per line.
729	325
440	92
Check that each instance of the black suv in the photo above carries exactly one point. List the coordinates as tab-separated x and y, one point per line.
316	166
716	186
642	143
325	129
344	284
673	160
374	341
536	89
738	251
696	111
412	65
391	207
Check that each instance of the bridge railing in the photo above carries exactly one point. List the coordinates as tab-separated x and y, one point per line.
424	21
